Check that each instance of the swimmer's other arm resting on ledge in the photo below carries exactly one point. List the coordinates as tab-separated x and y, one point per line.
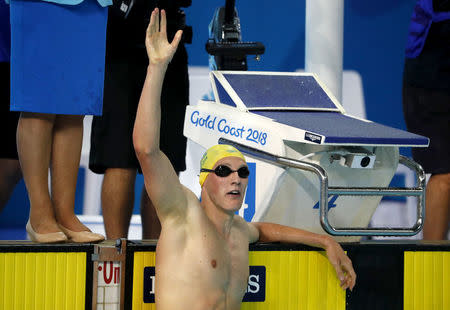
269	232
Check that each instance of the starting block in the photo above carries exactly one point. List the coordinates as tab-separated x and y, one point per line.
313	166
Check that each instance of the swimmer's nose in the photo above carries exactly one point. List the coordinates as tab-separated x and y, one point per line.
235	178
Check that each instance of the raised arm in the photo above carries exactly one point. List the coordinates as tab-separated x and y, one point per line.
161	181
268	232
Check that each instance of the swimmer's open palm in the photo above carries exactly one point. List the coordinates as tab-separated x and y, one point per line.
159	50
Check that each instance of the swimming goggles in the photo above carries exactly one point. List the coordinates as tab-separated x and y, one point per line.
224	171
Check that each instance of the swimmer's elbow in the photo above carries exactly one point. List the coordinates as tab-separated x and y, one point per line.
144	153
141	149
144	148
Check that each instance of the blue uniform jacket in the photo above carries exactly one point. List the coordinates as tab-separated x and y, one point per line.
421	20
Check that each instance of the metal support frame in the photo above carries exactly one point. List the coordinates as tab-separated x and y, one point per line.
325	191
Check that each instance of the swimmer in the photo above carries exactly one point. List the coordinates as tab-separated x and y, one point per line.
202	253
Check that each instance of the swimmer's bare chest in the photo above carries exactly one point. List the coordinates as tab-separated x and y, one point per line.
206	270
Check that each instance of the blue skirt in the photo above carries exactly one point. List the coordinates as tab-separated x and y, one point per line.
57	57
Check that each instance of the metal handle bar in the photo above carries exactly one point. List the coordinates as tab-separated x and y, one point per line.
325	191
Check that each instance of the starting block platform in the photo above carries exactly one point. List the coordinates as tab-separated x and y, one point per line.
301	101
121	275
313	166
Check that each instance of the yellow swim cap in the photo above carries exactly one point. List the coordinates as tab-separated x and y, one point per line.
214	154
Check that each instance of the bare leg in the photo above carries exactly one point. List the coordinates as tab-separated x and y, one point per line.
151	226
65	162
10	174
118	201
437	207
34	145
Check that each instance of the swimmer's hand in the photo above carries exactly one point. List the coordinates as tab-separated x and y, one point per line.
159	50
341	263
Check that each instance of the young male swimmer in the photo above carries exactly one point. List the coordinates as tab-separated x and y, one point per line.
202	253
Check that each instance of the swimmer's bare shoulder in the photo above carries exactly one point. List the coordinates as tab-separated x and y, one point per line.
248	231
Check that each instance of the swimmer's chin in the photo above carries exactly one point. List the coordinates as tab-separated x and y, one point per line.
235	207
